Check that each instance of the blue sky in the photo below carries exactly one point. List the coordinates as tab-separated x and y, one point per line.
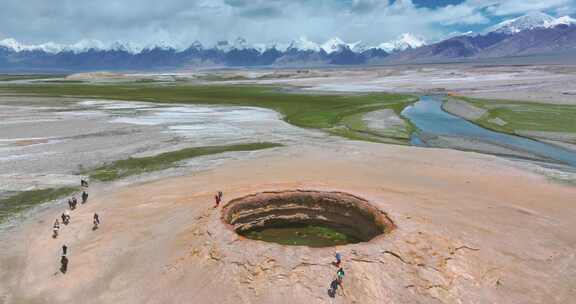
180	22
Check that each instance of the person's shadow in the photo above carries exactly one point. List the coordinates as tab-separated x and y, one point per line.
64	264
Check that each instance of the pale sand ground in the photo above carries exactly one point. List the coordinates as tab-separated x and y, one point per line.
538	83
47	142
471	229
542	83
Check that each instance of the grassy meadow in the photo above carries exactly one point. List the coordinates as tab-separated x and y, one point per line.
21	201
134	166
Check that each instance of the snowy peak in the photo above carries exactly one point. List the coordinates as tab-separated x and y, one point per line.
16	46
196	45
263	47
162	45
240	44
403	42
358	47
226	46
128	47
85	46
303	44
529	22
566	20
333	45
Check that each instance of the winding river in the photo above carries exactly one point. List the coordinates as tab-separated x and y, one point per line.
432	121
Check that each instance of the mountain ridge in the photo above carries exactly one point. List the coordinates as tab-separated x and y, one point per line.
529	34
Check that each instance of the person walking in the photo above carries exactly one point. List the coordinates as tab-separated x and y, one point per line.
64	259
96	221
55	229
84	197
338	257
217	200
67	215
336	283
63	264
340	274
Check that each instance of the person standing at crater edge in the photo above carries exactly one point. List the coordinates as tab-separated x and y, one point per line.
217	199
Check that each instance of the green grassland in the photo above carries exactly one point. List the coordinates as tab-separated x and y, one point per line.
525	116
133	166
330	112
354	127
11	77
23	200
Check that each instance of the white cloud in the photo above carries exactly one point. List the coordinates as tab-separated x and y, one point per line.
515	7
183	21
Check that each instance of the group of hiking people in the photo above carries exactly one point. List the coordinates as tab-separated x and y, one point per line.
337	281
72	204
65	217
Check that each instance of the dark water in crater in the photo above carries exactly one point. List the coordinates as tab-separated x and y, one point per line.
302	235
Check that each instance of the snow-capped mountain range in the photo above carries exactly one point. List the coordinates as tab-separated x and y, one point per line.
78	47
504	39
529	22
534	33
404	41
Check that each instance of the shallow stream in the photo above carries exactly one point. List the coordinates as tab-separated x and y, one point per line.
431	120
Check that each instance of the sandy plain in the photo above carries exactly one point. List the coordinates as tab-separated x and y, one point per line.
470	229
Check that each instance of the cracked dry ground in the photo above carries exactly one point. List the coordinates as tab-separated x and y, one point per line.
470	229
